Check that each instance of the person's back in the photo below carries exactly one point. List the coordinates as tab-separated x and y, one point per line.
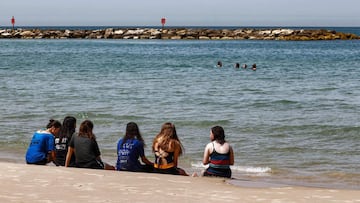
62	141
164	158
128	155
218	154
41	143
61	146
41	149
167	148
86	151
129	149
220	159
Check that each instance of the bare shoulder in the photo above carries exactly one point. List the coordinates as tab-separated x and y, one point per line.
209	146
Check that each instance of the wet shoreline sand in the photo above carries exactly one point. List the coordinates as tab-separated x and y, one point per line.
21	182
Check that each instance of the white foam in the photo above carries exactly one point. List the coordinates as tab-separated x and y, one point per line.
243	169
250	169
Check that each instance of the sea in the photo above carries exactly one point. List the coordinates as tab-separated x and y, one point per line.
293	121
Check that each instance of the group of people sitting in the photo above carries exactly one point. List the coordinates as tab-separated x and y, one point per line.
62	145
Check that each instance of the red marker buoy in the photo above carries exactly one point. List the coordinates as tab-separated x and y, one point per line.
13	22
163	21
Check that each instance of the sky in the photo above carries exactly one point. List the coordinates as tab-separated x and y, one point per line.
181	12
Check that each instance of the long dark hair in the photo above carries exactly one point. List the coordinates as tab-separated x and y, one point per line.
86	129
219	134
132	131
68	127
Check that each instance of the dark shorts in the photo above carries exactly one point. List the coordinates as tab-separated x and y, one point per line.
42	162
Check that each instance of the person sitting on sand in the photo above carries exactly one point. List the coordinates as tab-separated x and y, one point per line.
86	149
218	154
167	149
62	141
41	149
129	149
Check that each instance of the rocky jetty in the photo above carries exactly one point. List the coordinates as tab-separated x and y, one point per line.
179	34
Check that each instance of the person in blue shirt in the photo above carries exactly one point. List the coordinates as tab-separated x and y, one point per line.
41	149
129	149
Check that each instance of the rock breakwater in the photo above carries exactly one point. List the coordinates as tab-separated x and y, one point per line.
180	33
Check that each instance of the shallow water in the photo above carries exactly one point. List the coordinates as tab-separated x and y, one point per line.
294	120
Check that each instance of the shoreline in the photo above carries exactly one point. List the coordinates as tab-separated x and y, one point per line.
239	179
285	34
21	182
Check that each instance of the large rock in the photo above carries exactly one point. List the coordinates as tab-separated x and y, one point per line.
108	33
67	33
282	32
134	32
5	35
118	32
204	37
27	33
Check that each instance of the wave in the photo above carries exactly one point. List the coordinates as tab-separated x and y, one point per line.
241	169
252	169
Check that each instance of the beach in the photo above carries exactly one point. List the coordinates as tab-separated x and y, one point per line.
30	183
292	121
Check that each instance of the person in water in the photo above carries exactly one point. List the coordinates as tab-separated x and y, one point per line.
41	149
218	154
237	65
219	64
167	149
129	149
253	67
62	141
86	149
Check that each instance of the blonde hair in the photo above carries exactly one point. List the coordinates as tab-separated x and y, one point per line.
167	136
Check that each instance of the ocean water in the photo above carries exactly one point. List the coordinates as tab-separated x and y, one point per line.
295	120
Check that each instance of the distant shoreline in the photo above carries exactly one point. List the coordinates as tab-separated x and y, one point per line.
176	33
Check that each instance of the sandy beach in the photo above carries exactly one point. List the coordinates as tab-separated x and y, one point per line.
28	183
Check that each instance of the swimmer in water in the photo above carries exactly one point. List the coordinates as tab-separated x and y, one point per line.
253	67
219	64
237	65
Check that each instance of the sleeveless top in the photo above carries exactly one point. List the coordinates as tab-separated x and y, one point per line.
218	160
164	160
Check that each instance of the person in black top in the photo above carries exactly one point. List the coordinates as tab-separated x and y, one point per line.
62	141
86	149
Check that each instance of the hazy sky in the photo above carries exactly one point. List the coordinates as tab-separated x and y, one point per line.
181	12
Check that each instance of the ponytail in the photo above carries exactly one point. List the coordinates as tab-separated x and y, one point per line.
53	123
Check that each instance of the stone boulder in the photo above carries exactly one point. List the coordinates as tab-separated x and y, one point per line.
108	33
27	33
